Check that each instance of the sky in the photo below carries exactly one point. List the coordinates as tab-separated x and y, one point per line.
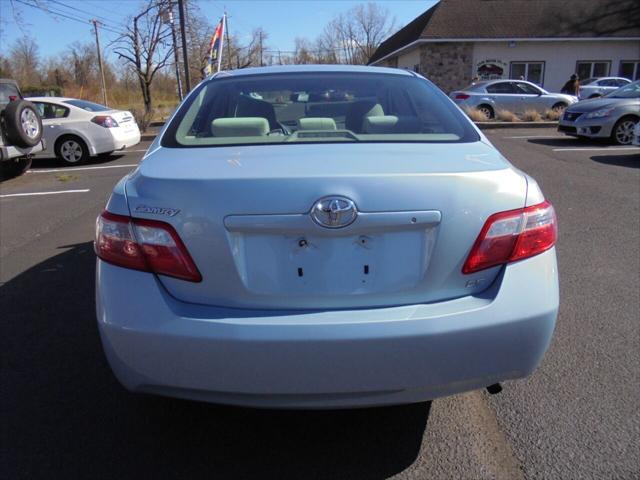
283	20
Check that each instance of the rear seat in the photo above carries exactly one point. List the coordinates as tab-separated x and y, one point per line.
358	111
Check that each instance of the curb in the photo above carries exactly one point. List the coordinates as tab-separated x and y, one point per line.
490	125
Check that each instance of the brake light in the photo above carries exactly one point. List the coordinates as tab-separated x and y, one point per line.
13	98
462	96
105	121
147	245
513	235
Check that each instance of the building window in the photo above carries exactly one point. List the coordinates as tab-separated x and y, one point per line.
592	68
530	71
630	69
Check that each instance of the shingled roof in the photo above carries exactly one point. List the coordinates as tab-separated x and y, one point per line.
517	19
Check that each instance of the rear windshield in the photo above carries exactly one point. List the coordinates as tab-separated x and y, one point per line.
316	107
88	106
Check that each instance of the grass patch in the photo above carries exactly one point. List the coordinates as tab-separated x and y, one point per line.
66	178
553	115
531	116
475	115
506	116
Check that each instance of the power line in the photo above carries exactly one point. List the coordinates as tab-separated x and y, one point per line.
93	15
57	13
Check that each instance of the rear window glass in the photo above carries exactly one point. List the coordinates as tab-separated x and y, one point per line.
316	107
88	106
8	92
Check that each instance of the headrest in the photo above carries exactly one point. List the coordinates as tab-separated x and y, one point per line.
316	123
240	127
392	124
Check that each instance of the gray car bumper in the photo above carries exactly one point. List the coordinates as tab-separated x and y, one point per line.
588	127
10	151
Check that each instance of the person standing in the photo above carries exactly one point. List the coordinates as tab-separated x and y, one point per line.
572	87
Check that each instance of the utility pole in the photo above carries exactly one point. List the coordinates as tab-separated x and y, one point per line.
176	58
185	55
226	33
104	86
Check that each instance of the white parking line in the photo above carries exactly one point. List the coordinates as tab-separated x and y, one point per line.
43	193
586	149
75	169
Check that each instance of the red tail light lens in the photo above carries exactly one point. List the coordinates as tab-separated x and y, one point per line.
462	96
513	235
146	245
105	121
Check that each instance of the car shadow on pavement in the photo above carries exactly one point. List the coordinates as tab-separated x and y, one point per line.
57	163
630	160
567	142
65	415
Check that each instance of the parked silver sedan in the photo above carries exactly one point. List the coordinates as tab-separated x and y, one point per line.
280	248
612	116
75	129
513	95
597	87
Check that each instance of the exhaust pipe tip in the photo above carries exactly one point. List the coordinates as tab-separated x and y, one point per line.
494	389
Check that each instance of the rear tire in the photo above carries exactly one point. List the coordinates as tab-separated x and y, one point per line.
71	150
487	111
622	132
22	123
14	167
559	107
595	95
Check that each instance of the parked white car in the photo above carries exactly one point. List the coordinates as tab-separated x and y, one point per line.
75	130
597	87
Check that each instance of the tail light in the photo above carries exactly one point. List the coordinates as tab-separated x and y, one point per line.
513	235
146	245
462	96
105	121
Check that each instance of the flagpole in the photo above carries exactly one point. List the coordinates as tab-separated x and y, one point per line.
224	28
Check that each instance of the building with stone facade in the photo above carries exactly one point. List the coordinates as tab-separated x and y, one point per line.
543	41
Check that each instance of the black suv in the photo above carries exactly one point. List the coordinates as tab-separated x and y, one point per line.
20	130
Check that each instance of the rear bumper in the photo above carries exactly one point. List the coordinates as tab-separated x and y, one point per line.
115	141
10	152
347	358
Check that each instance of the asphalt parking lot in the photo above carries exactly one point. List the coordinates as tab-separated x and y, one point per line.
578	416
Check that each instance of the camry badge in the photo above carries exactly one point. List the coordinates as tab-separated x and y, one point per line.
170	212
334	212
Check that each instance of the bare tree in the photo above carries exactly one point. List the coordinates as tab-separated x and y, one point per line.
24	59
146	47
354	36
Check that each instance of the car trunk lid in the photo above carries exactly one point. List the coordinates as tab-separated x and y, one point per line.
244	215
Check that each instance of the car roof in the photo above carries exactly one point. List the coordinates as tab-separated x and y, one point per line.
312	69
49	99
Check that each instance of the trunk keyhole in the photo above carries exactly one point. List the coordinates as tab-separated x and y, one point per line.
366	269
300	272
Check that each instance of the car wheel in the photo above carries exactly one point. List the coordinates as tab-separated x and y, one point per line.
623	131
14	167
487	111
72	150
595	95
23	124
559	107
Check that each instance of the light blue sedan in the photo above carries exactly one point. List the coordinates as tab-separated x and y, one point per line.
323	237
